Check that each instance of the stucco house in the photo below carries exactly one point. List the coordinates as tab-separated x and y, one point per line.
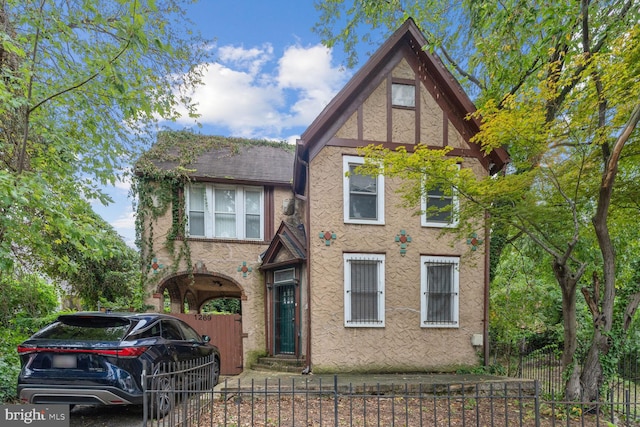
330	271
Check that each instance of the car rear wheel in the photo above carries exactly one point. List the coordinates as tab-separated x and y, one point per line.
162	398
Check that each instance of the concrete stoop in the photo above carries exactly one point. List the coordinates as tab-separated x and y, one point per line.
289	364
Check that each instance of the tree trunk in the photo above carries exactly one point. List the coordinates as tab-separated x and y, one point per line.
592	375
568	285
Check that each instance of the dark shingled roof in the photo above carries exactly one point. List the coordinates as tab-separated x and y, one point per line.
219	158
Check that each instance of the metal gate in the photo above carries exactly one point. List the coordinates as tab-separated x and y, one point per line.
225	331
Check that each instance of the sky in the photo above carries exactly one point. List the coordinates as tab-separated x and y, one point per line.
270	79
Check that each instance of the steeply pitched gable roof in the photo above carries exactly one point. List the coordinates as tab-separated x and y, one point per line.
287	247
217	158
407	38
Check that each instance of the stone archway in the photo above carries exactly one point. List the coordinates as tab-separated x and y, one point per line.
198	288
225	330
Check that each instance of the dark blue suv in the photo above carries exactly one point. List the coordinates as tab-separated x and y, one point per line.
98	358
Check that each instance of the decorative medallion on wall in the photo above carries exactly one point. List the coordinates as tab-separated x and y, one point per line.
474	241
327	236
244	268
156	266
403	238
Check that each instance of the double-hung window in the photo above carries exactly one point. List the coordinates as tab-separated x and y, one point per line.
364	290
440	207
439	290
227	212
363	194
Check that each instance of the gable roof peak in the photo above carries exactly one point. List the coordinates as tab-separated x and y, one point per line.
408	39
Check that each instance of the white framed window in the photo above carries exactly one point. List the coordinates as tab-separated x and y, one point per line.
403	95
440	207
226	212
196	210
364	290
363	194
439	291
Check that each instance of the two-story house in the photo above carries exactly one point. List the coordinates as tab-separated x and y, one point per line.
329	269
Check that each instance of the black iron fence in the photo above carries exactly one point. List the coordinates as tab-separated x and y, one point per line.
334	403
527	392
176	393
545	366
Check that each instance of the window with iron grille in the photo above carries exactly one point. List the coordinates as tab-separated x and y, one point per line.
363	194
439	291
364	290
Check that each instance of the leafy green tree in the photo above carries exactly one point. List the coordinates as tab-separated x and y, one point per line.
83	86
525	301
23	298
26	295
557	86
222	305
111	280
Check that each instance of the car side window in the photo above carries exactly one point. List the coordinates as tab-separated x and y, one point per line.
171	331
190	334
151	332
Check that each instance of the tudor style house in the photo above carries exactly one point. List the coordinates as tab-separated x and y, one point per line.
330	271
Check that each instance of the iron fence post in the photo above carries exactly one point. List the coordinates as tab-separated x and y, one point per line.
143	381
536	401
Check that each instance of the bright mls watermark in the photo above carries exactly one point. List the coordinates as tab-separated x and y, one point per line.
34	415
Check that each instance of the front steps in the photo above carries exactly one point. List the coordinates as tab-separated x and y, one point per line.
280	363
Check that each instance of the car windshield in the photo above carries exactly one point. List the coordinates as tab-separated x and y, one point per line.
86	328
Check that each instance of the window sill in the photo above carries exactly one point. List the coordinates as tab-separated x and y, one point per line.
363	222
441	326
222	240
438	225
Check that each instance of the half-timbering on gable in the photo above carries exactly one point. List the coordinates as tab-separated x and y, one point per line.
330	271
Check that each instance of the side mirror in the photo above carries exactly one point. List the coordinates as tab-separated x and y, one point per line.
206	338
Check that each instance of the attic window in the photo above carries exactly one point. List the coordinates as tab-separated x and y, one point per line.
403	95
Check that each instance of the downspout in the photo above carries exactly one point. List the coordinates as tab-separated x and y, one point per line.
485	316
308	244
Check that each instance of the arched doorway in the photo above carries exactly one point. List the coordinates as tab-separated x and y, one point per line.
194	290
185	295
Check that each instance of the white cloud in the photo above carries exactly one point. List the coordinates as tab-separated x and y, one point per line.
237	100
123	182
309	72
251	60
250	92
125	226
126	221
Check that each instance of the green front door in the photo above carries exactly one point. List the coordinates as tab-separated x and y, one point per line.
284	322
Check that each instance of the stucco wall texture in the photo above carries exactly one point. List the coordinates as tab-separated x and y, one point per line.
224	257
402	344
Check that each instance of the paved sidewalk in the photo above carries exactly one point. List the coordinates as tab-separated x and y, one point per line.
373	383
